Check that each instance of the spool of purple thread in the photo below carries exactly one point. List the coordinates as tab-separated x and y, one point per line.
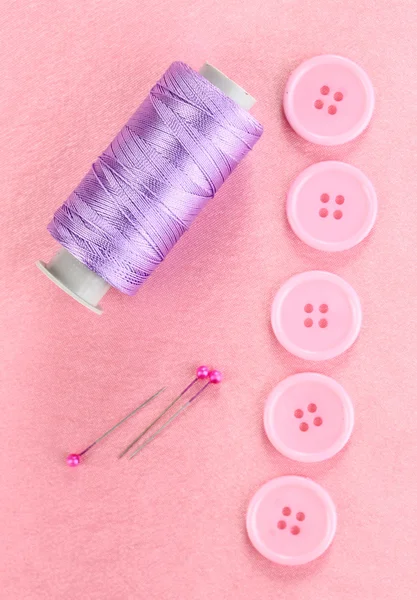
81	282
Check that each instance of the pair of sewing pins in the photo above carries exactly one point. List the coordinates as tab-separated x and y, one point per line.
202	373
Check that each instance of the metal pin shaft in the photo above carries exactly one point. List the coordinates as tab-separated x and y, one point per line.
140	436
174	416
122	421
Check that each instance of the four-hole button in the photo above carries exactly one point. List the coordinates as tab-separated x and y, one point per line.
308	417
291	520
332	206
316	315
329	100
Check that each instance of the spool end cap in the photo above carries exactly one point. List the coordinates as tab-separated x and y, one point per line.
77	280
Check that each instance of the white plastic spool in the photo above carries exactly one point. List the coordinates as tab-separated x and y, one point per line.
70	274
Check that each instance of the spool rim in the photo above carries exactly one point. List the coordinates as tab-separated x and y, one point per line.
44	269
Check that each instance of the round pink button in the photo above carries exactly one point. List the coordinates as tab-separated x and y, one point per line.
316	315
308	417
331	206
291	520
329	100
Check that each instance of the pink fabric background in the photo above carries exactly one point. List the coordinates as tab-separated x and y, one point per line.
170	525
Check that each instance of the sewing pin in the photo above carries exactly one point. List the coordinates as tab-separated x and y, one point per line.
201	373
73	460
214	377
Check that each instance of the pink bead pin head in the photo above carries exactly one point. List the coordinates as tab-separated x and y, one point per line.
215	377
202	372
73	460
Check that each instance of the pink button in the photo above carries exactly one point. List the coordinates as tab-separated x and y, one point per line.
331	206
308	417
316	315
291	520
329	100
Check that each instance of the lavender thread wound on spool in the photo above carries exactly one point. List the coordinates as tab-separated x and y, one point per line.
145	190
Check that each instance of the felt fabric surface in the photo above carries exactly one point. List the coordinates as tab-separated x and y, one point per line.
170	524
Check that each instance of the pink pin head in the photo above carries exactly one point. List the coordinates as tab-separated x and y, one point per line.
215	377
202	372
73	460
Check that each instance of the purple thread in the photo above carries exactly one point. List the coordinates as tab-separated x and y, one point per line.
146	189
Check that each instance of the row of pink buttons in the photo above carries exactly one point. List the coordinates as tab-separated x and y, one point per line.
315	315
331	205
308	417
